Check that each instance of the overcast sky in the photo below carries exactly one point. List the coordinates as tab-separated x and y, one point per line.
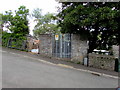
45	5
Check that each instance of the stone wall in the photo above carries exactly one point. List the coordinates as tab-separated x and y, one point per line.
45	45
78	52
78	48
102	61
30	43
115	49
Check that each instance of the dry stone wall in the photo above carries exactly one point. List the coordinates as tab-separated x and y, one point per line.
78	48
45	45
102	61
115	51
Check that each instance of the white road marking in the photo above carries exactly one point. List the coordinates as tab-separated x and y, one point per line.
2	51
110	76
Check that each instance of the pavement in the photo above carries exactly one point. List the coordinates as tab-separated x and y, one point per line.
26	70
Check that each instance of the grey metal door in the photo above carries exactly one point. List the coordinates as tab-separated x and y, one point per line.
62	46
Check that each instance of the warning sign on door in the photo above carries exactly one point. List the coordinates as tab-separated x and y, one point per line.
56	37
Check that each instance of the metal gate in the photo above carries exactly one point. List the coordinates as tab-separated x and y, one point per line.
17	44
62	45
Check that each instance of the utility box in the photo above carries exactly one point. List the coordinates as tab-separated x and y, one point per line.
85	61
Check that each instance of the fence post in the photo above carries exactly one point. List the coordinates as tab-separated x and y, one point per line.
60	46
88	53
53	45
9	42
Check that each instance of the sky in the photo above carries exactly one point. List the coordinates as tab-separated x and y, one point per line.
45	5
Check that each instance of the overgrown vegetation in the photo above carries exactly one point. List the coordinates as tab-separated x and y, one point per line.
46	24
17	23
97	21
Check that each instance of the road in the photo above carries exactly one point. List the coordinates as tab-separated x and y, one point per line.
19	71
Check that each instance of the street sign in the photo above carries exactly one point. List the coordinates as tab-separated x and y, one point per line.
56	37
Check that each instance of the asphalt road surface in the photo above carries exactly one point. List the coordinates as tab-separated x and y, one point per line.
19	71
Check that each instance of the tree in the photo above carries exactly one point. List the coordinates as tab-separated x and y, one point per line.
6	19
45	23
18	23
1	25
96	21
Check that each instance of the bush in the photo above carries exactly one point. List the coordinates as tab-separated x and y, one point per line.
5	38
13	40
